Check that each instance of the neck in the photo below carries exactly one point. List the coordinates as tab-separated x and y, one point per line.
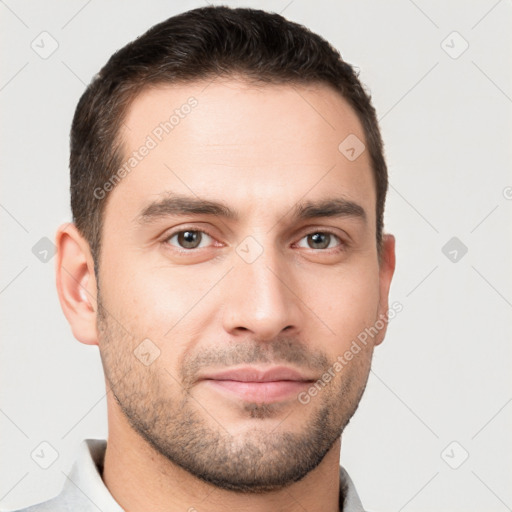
140	479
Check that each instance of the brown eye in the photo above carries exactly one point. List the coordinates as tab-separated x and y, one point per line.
321	240
188	239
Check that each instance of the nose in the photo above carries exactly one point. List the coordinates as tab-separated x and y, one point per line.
261	297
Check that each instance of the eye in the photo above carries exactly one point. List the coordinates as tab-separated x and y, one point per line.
322	240
188	239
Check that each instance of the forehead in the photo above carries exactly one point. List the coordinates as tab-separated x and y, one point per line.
230	140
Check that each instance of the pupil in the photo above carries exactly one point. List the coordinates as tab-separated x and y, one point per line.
189	239
320	238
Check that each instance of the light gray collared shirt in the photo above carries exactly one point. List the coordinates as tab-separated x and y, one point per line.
84	490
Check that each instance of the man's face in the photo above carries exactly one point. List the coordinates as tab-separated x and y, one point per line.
270	287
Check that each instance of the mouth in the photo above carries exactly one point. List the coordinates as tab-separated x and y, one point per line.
253	384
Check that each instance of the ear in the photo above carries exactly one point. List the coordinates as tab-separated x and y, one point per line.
386	270
76	283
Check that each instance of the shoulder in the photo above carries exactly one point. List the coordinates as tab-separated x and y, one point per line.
83	487
56	504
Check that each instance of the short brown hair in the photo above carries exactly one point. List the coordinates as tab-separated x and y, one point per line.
196	45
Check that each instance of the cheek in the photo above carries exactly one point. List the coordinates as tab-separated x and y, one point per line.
157	301
347	302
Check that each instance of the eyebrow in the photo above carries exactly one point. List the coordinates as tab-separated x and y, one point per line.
176	205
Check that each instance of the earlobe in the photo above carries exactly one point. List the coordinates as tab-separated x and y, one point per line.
386	270
76	283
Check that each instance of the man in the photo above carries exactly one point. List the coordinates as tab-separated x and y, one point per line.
227	254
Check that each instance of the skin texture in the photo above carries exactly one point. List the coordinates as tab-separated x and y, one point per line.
275	298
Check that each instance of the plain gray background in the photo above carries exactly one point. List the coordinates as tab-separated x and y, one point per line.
433	431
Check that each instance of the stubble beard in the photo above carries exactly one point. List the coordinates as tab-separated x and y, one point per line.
187	434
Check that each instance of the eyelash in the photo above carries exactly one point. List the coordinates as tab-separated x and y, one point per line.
342	244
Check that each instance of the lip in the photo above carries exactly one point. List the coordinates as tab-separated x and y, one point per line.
254	374
259	385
